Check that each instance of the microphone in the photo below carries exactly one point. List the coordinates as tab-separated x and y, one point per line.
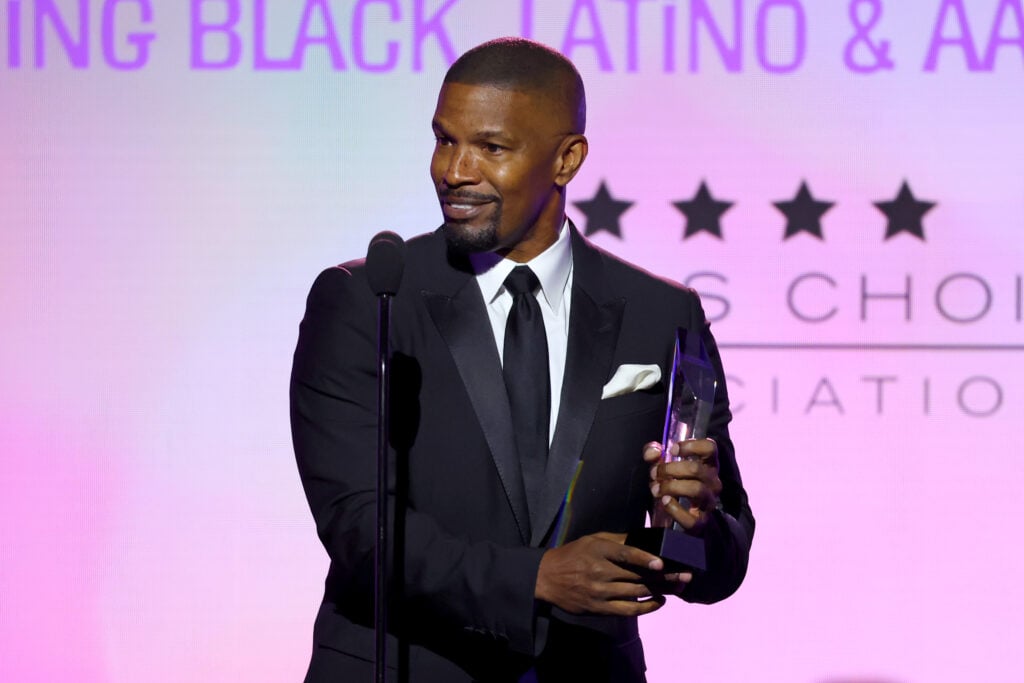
385	262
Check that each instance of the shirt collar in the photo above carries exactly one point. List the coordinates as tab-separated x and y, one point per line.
552	268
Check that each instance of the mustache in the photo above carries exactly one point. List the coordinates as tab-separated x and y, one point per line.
466	194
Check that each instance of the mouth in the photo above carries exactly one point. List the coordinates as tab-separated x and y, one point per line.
463	208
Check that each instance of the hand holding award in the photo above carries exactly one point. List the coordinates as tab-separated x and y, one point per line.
685	477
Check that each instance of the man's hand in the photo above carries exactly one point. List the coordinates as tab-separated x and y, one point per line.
694	477
598	574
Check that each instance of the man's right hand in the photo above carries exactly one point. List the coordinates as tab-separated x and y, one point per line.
599	574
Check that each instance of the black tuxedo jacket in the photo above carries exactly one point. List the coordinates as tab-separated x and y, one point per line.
467	547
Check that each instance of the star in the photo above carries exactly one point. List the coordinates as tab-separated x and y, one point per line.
905	213
603	212
703	213
803	213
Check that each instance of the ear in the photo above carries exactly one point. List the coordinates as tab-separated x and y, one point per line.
571	154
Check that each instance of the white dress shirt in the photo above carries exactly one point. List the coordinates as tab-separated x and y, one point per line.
553	268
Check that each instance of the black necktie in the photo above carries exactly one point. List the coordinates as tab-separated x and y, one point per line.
525	366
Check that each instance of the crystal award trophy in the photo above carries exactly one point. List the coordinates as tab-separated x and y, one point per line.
691	395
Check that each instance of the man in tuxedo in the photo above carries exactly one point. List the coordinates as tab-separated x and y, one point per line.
529	370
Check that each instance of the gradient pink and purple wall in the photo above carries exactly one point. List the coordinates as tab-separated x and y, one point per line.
173	176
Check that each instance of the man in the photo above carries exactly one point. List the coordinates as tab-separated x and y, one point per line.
517	433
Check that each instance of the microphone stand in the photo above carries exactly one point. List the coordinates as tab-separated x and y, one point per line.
385	261
380	587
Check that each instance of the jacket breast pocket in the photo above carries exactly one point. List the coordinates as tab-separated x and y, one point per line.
631	404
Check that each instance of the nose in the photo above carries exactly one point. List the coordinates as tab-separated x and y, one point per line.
461	167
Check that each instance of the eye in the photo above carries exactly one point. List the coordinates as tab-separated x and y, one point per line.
441	141
492	148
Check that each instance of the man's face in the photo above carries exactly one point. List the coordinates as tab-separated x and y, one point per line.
495	166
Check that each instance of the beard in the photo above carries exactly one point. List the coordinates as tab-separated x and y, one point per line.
465	239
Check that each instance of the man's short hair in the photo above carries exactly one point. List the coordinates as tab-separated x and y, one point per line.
521	64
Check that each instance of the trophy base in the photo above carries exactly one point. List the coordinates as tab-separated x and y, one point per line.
679	550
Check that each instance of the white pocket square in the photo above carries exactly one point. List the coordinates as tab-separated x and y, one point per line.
630	377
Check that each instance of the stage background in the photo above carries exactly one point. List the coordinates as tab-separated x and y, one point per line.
169	190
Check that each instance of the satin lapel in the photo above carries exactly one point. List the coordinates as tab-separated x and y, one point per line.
593	332
462	321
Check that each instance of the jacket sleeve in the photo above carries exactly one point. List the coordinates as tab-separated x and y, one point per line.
448	583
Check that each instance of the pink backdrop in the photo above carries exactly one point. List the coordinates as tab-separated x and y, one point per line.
174	174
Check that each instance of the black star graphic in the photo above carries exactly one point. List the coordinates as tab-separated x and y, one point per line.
603	212
905	213
803	213
703	213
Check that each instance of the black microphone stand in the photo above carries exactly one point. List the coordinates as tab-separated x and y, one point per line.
385	261
380	587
